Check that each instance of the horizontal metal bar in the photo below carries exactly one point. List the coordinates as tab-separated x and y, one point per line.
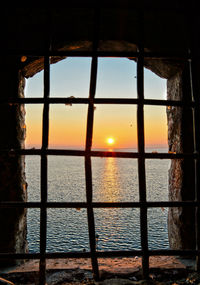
159	252
41	100
171	252
34	151
20	255
46	255
80	205
77	53
93	153
104	254
122	101
135	101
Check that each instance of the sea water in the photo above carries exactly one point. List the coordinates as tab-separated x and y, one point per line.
113	180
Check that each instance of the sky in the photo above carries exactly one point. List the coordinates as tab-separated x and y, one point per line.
116	78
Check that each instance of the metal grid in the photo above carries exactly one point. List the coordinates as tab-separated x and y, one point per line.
141	156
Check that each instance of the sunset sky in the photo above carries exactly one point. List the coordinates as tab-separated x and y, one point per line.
115	78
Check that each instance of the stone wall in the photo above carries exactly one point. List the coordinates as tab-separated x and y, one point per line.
181	228
13	185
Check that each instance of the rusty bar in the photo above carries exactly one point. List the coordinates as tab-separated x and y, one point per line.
90	117
88	175
44	179
141	163
105	254
90	215
67	152
121	101
58	205
88	166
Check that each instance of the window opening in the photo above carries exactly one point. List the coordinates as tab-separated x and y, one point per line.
123	173
116	78
73	78
33	126
116	123
33	230
157	235
115	179
104	242
67	126
67	230
155	129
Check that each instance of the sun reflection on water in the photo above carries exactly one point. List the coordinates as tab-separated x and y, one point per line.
110	188
111	184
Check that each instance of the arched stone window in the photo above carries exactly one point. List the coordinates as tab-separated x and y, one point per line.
120	39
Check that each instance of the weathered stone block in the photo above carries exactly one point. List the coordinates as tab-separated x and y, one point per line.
13	185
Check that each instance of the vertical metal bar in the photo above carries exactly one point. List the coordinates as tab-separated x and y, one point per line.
190	30
141	143
44	180
45	139
88	169
141	164
88	166
196	130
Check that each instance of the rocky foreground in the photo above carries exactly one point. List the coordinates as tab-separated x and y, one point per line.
116	271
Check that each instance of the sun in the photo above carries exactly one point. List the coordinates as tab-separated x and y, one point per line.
110	141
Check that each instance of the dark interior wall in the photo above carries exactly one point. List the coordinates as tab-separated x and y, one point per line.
13	185
165	26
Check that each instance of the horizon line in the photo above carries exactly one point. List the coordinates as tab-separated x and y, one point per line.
93	148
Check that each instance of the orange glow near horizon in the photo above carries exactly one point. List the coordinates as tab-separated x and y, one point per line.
155	123
117	122
114	126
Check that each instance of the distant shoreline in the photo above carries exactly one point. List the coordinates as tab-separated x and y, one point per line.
159	148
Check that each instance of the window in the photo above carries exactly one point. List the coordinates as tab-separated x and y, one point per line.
144	206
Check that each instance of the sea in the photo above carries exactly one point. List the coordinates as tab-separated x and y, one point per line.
114	180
